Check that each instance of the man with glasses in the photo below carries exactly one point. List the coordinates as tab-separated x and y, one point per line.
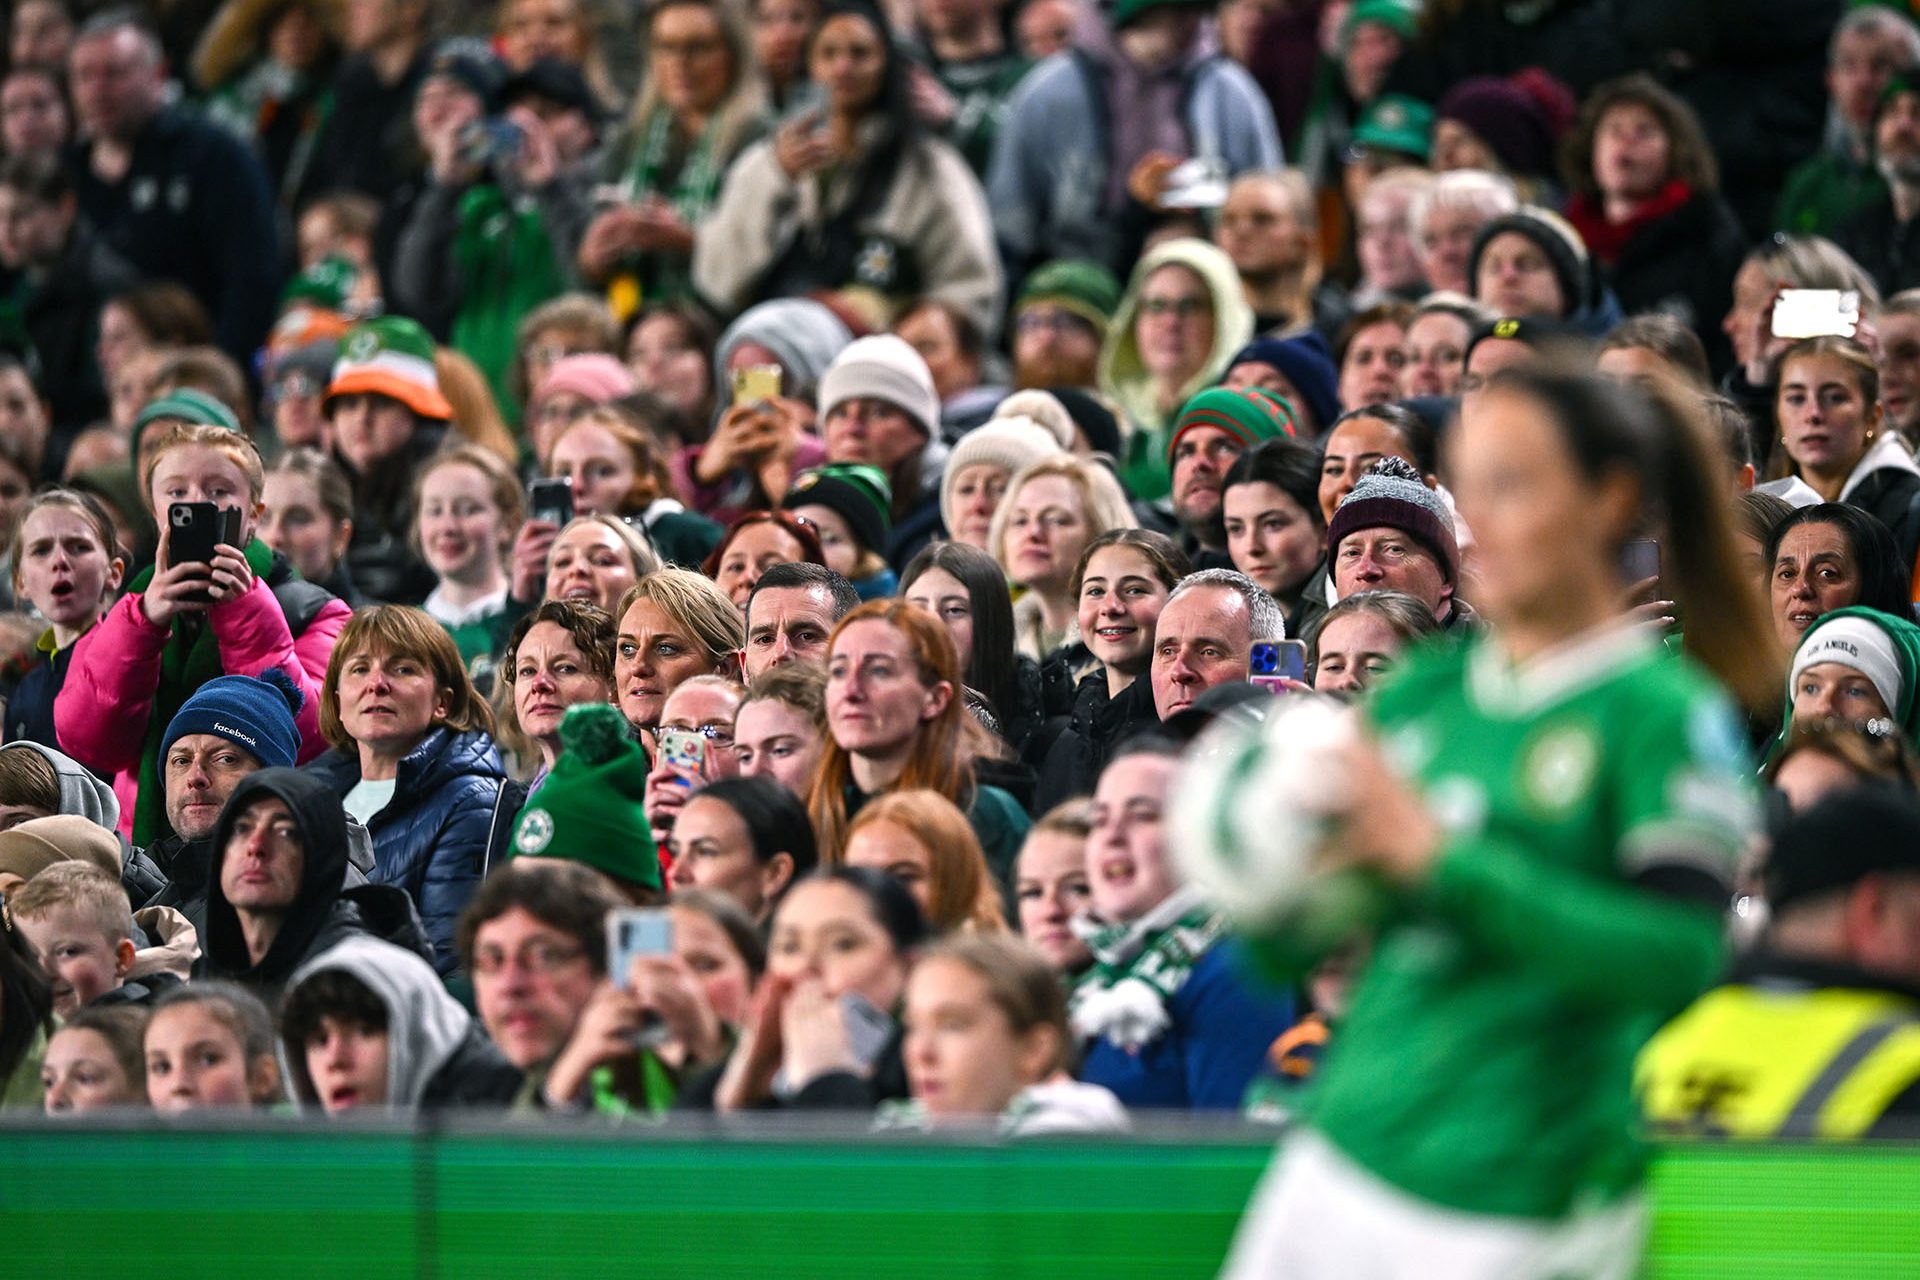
534	939
1059	323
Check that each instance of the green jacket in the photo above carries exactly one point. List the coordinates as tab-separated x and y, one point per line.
1825	192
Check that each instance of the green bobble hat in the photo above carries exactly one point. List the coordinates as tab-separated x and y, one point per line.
195	408
1083	287
1249	416
589	808
1396	122
390	356
859	494
326	284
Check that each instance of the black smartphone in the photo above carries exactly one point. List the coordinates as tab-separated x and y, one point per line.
1640	560
551	500
194	530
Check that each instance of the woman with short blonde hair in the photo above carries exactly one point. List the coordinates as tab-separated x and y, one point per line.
1052	510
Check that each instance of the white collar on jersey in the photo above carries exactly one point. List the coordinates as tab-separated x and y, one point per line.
1499	686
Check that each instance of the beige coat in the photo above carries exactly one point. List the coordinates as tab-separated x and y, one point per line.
934	208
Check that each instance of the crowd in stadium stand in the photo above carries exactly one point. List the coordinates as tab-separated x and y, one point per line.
796	478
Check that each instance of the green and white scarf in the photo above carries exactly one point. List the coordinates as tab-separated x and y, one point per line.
693	186
1139	967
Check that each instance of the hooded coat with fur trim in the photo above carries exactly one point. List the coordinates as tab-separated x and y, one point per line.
1123	374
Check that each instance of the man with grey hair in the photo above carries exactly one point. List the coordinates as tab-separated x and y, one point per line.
1206	635
1443	220
177	197
1204	638
1870	46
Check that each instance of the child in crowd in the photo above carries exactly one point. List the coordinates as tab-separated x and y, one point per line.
209	1047
94	1061
67	565
468	506
367	1024
78	921
186	621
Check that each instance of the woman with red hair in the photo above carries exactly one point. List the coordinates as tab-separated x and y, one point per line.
896	721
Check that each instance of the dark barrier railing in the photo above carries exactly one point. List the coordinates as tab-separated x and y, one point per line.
355	1203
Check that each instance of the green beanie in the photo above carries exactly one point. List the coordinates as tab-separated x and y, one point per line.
861	495
1085	288
1125	11
195	408
326	284
589	808
187	405
1396	122
1401	17
1249	416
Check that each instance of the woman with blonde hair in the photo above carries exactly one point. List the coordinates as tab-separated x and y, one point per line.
1053	509
922	840
699	107
674	624
895	715
1832	435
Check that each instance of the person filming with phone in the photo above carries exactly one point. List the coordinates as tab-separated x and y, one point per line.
1834	437
217	602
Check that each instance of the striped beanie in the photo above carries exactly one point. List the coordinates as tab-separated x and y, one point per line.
1391	495
1249	416
390	356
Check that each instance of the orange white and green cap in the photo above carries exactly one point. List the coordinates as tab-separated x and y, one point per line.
390	356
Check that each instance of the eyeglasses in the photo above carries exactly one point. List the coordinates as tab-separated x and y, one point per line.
1185	308
534	957
718	734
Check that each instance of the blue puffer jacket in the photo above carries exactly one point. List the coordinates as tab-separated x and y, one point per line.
448	820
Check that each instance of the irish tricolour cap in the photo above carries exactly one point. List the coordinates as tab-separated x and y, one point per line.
390	356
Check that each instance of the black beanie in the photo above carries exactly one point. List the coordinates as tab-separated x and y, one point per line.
1556	238
1841	840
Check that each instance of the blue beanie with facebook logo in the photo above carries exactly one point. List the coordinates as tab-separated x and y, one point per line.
253	714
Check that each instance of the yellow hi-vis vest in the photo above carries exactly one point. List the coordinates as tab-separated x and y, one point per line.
1762	1062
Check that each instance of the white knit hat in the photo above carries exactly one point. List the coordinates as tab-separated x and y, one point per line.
1851	642
1042	408
883	367
1004	442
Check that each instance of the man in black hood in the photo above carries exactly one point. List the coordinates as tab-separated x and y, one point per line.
278	893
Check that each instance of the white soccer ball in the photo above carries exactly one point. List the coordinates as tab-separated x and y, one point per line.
1253	809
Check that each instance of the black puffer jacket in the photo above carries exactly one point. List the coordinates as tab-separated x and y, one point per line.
1099	724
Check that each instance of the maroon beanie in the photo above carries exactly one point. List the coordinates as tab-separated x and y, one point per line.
1391	495
1521	117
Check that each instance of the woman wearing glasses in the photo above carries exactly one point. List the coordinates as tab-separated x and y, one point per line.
1184	316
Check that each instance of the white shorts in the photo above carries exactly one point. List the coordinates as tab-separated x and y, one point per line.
1318	1214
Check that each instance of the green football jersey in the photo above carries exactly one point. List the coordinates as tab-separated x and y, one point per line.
1486	1060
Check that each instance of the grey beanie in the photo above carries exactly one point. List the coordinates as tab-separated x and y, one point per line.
802	334
883	367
